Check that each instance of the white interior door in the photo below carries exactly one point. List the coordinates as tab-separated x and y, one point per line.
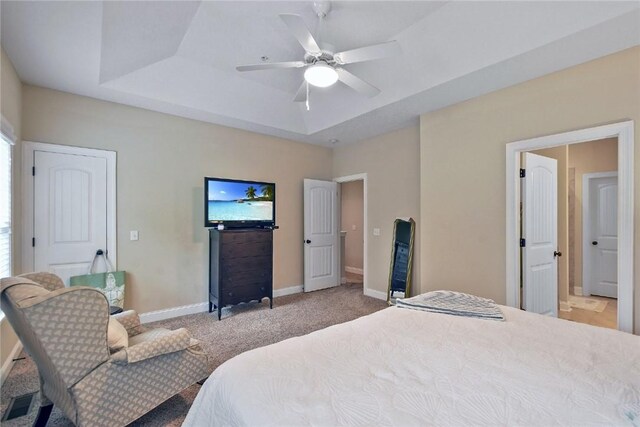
321	237
540	234
70	212
601	258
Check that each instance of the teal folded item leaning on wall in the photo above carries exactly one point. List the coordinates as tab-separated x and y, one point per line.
110	283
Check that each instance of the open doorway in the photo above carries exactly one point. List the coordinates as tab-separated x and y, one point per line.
352	233
624	134
587	288
353	243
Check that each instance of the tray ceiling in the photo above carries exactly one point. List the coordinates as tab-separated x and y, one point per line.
180	57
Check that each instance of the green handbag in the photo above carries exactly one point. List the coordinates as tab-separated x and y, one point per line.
111	283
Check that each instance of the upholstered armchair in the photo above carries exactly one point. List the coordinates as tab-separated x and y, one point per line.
64	330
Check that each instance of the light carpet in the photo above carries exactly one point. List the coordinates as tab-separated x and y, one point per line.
243	327
586	303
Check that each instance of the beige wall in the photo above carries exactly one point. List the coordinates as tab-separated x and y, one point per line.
462	165
11	108
595	156
352	221
162	160
391	162
561	154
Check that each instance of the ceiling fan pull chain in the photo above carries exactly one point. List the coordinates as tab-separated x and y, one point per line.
319	32
307	101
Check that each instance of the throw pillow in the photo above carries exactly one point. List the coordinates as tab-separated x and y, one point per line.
117	336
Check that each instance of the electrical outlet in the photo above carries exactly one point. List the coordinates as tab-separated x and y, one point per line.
133	235
376	231
353	227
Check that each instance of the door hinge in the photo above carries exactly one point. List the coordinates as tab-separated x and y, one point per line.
33	242
523	173
33	171
523	243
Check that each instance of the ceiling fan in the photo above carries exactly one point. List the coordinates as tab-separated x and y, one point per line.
323	67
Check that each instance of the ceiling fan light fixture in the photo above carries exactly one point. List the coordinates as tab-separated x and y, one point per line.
321	75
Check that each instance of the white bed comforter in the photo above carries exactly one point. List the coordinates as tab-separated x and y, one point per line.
404	367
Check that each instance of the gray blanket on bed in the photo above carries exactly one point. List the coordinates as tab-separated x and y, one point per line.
453	303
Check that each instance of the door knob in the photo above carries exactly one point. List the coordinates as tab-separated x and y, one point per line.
594	243
307	241
556	254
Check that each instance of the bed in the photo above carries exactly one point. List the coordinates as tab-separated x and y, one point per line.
405	367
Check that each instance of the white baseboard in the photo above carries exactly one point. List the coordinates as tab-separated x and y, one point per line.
8	364
354	270
169	313
201	307
288	291
375	294
577	290
564	306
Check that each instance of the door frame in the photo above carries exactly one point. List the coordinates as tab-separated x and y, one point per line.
28	155
624	131
365	221
586	223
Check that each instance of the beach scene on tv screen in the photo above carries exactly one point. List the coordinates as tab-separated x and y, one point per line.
239	201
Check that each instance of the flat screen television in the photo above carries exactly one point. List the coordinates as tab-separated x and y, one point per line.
239	204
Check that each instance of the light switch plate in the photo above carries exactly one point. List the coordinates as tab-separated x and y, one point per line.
353	227
133	235
376	231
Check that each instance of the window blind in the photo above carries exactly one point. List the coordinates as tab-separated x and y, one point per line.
5	206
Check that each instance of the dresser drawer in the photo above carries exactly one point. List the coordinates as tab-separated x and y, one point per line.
246	250
245	279
245	293
238	276
247	264
246	237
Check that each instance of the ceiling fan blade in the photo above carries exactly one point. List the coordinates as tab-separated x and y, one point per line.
271	65
301	94
356	83
301	33
367	53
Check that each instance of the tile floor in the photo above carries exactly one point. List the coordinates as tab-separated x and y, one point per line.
607	319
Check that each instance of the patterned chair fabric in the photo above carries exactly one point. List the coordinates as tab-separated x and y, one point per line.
155	342
49	281
131	322
64	330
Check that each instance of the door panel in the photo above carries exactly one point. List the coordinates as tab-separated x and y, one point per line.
602	258
322	255
321	235
70	212
539	229
67	270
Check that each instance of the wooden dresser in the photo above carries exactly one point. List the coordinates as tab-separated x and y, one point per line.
240	267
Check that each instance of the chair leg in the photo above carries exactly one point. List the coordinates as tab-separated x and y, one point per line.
43	415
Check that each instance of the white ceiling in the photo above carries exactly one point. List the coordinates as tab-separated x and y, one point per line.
180	57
